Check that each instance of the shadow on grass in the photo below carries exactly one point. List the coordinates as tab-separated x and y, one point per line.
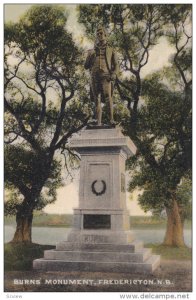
20	256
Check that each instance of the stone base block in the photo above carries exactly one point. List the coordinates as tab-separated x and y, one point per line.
98	256
98	266
135	246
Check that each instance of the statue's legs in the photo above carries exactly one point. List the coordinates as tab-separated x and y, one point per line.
101	88
107	94
95	89
99	110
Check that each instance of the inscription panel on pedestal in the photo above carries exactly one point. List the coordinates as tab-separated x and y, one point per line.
94	239
97	222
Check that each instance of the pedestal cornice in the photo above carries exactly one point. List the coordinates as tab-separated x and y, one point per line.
103	139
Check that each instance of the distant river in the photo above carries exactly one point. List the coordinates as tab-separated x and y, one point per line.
52	235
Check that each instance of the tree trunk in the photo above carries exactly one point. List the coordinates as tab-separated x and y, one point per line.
174	232
24	215
23	231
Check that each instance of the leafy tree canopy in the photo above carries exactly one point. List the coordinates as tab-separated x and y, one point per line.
45	103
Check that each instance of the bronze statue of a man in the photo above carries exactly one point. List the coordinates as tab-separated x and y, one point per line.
103	66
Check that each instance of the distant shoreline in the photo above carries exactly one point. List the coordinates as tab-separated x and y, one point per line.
54	220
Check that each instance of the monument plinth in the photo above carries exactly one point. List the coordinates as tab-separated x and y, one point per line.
101	239
102	215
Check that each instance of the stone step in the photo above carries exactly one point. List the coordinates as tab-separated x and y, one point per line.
70	246
98	256
153	262
97	266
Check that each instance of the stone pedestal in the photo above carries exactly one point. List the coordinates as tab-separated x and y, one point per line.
101	239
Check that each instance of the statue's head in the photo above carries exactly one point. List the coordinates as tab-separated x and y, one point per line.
101	34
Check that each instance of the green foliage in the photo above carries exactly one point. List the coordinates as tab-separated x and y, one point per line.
164	123
184	196
166	117
28	163
45	37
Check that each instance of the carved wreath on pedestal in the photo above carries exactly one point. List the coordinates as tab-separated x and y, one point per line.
98	193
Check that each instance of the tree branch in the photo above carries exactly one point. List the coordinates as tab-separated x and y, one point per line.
178	52
61	114
64	139
14	73
25	133
43	97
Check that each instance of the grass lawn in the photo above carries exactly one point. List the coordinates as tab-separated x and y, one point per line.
173	253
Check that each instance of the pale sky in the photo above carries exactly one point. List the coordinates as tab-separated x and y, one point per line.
68	196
